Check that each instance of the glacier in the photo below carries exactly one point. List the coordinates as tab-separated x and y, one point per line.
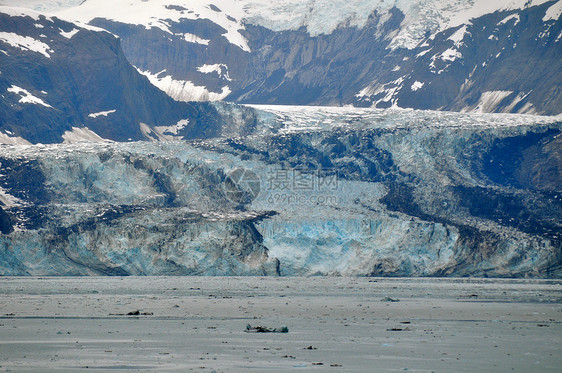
342	191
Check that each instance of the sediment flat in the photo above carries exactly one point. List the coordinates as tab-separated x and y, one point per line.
337	324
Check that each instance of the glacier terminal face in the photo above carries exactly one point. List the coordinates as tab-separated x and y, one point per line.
280	190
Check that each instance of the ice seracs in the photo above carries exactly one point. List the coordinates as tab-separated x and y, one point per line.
414	199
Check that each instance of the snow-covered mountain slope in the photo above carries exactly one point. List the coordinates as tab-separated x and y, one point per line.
477	55
305	191
42	6
161	14
317	17
63	81
420	17
186	32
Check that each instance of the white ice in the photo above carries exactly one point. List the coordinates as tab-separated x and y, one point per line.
183	90
159	14
25	43
102	113
215	68
26	97
70	33
78	135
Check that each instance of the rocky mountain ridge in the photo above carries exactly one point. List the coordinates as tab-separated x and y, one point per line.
482	56
62	81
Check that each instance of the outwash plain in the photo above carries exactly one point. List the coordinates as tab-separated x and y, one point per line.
337	324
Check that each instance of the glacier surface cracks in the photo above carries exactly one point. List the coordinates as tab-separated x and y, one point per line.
342	191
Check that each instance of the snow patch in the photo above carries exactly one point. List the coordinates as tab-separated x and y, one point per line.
83	134
389	90
70	33
8	139
149	133
219	68
172	130
165	133
25	43
101	113
43	6
422	53
489	101
529	109
553	13
520	97
190	38
26	97
183	90
22	12
370	90
451	54
417	85
458	35
509	18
